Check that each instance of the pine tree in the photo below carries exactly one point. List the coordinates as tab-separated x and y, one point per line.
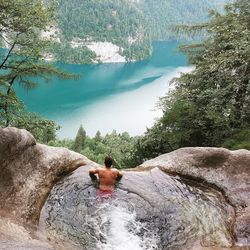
98	136
79	140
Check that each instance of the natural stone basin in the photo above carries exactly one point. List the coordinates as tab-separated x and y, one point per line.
191	198
152	210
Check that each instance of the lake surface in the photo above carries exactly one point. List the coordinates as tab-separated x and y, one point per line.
120	96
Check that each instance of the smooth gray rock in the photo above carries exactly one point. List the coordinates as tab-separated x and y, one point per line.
227	170
28	171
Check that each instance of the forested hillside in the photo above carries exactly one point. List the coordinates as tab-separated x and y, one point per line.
84	22
130	25
162	15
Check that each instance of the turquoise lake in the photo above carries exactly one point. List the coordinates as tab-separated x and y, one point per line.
120	96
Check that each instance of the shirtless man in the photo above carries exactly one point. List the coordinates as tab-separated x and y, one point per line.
107	177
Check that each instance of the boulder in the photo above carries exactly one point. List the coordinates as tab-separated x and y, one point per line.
14	236
28	171
225	169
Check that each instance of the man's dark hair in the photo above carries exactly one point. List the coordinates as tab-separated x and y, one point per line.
108	161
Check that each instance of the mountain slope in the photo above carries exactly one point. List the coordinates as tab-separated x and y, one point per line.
162	15
117	31
83	23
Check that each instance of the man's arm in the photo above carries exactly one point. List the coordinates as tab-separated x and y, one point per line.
119	176
92	173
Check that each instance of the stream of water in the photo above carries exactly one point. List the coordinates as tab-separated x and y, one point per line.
118	228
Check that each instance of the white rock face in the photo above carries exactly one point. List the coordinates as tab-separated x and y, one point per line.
6	41
107	52
51	33
77	43
132	40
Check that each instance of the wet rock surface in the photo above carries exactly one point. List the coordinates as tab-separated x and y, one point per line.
175	213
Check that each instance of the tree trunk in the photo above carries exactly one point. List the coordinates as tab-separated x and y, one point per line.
6	104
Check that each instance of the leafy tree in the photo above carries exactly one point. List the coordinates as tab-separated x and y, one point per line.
79	140
120	146
66	143
211	104
21	24
238	140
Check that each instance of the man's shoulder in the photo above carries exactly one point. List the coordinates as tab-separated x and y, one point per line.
100	169
96	169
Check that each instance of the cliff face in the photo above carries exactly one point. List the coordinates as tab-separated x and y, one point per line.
187	196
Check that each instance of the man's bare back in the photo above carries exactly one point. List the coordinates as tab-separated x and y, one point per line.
107	176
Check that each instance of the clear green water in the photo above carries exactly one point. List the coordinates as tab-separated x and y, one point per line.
117	96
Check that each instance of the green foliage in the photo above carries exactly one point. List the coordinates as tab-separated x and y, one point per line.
65	53
43	130
119	146
21	23
211	105
79	140
238	140
66	143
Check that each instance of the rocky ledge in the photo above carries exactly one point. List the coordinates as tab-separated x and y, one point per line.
227	170
29	171
190	196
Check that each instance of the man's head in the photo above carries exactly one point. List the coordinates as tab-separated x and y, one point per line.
108	161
